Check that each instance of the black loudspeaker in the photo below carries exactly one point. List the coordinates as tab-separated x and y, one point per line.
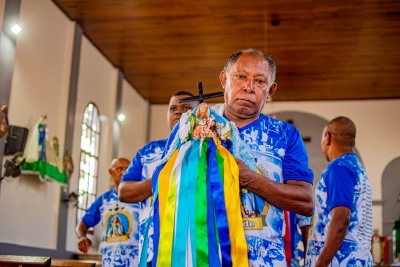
16	140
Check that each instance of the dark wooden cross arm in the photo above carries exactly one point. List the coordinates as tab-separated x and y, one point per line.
201	95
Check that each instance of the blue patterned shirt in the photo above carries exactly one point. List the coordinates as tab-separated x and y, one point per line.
141	169
343	183
281	156
120	237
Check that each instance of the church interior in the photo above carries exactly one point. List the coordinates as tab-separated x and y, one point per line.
74	64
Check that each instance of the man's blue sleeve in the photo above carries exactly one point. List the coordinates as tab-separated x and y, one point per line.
134	171
92	216
340	184
295	164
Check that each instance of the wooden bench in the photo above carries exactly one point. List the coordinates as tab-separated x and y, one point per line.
74	263
22	261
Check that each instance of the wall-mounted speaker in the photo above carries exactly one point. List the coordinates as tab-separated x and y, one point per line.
16	140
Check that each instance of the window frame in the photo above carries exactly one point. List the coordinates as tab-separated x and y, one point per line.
88	159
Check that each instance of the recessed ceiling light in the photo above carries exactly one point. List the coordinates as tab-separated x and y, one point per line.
121	117
16	29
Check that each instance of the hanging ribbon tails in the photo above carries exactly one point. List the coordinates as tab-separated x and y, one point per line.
197	206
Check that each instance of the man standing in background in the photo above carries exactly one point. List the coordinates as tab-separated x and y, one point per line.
136	183
342	225
119	239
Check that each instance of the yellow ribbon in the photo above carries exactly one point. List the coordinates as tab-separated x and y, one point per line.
232	202
163	184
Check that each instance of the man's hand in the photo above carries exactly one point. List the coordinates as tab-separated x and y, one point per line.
84	244
293	195
245	174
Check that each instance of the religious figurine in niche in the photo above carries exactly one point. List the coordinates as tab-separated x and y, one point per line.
3	120
42	154
205	125
68	164
55	145
42	137
376	247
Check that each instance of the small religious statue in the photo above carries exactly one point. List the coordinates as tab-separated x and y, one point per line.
42	154
68	164
3	120
55	145
42	137
376	247
205	125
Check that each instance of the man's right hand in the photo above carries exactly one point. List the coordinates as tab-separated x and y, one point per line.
84	244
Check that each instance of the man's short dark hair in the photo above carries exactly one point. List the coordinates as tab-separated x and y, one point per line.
234	57
344	130
183	93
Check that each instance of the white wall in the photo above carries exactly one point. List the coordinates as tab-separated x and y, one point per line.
159	128
38	86
97	83
378	128
133	134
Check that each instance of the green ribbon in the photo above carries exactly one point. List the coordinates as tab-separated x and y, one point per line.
201	209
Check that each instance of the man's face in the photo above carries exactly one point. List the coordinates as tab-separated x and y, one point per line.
118	168
324	147
175	109
247	84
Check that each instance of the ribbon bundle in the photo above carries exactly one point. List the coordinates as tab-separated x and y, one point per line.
197	219
199	208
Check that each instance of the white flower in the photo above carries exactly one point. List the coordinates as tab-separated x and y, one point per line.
225	131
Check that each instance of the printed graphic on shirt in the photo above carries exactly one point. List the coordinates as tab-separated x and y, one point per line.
120	234
254	209
263	223
121	256
264	253
118	226
274	144
269	219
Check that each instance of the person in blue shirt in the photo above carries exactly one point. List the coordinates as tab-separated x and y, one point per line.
119	237
136	184
341	229
283	180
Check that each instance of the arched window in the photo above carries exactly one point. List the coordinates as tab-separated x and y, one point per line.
89	159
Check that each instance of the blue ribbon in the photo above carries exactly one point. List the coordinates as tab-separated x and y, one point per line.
143	254
193	167
156	216
217	191
188	173
213	258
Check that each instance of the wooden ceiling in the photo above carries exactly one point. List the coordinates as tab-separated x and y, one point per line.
324	50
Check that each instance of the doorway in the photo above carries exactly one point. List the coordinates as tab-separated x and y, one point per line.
391	196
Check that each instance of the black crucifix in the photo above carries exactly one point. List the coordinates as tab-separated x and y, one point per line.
201	96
